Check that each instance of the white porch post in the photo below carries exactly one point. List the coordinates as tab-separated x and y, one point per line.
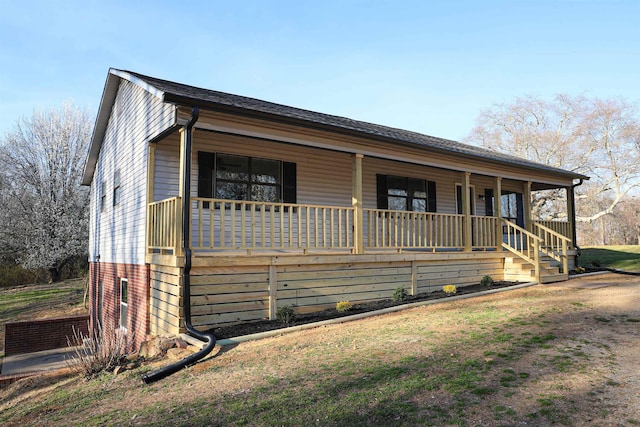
466	211
356	201
151	165
497	210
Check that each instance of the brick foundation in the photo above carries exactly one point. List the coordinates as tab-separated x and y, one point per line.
29	336
109	275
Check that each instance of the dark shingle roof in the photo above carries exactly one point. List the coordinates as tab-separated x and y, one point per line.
205	98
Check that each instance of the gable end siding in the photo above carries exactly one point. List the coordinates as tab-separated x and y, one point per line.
117	234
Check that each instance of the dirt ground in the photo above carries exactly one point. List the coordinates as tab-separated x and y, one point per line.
587	373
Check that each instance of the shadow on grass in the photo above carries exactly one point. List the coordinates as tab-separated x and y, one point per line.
623	258
445	386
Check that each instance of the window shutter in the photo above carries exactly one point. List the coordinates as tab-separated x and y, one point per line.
289	185
381	184
205	174
488	202
431	196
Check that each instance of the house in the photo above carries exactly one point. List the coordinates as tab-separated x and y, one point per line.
284	206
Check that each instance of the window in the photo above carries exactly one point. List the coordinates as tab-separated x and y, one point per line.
472	193
488	202
513	207
103	196
406	194
227	176
124	302
116	187
100	304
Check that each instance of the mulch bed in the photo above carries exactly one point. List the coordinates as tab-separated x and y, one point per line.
248	328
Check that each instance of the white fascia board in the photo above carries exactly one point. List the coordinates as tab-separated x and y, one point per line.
104	112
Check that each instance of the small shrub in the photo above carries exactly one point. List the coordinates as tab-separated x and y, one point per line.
98	352
343	306
487	281
449	289
285	314
400	294
596	263
580	270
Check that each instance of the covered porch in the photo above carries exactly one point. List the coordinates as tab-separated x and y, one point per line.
250	257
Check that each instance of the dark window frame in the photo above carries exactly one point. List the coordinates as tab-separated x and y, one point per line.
472	202
512	204
411	186
208	180
251	184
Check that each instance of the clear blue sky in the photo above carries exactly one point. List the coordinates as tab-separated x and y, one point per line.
426	66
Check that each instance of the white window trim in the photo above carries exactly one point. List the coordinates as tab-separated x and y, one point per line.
125	304
117	188
103	196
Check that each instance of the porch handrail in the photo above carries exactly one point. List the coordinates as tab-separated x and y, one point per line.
561	227
164	225
522	243
248	225
554	245
387	228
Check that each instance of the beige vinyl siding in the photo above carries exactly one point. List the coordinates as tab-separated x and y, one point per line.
444	179
167	168
323	177
118	232
409	153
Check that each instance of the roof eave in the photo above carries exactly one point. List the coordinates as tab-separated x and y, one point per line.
223	108
100	127
109	93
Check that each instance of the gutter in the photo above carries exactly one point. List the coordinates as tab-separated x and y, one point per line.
186	274
572	208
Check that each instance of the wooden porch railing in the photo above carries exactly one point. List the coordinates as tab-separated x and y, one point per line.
553	244
484	232
219	224
164	225
560	227
403	229
244	225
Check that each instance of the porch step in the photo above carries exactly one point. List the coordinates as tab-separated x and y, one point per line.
521	270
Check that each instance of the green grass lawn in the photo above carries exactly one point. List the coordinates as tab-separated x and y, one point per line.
521	357
620	257
40	301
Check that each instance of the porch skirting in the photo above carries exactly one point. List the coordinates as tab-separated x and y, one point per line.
241	288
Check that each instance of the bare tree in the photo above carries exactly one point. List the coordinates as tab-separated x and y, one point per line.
46	209
595	137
